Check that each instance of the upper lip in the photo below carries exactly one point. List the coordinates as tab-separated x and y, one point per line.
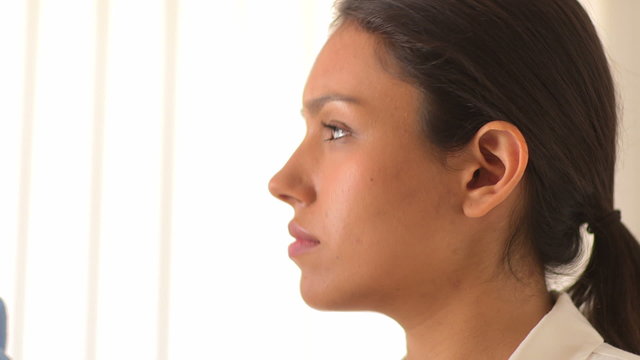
300	233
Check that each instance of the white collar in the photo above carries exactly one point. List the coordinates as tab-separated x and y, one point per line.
563	333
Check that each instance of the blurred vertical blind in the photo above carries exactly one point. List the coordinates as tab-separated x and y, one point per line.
136	141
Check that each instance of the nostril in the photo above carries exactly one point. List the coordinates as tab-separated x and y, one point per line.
285	198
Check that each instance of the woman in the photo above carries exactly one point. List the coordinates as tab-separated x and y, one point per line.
454	149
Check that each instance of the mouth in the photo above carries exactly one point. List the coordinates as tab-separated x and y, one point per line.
305	242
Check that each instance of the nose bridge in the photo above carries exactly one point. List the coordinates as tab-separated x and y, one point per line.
294	182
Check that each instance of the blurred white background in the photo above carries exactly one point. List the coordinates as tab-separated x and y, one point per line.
137	138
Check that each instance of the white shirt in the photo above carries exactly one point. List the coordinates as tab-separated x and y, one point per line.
565	334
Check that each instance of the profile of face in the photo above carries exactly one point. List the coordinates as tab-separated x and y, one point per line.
379	218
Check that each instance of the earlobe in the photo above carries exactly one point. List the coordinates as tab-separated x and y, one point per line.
499	158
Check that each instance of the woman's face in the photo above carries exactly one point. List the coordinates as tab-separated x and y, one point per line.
366	185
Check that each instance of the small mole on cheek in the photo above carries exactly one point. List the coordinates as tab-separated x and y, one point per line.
456	283
371	179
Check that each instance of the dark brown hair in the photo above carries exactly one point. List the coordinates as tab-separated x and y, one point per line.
541	66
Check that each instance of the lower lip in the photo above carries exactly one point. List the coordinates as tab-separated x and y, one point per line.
300	247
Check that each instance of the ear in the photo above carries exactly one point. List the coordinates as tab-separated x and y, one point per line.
499	157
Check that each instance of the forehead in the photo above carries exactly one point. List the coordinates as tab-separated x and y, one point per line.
350	65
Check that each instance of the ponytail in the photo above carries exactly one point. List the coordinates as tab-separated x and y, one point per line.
608	292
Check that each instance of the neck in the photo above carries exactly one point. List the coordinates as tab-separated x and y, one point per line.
485	322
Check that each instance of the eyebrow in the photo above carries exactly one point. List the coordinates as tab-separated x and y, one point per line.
314	106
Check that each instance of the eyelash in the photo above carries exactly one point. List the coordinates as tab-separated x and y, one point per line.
335	129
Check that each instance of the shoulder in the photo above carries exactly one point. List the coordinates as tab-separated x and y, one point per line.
608	352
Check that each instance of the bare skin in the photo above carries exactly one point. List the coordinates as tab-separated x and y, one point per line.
402	231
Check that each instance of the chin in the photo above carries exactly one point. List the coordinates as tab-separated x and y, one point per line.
317	302
328	297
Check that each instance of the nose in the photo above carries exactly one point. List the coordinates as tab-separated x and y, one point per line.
293	183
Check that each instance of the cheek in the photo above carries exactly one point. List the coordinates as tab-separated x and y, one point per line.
380	221
385	194
377	213
353	198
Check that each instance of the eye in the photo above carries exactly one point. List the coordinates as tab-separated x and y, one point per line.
337	132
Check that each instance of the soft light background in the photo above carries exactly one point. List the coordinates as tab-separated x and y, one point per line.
137	138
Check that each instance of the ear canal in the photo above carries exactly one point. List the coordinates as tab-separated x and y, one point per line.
483	177
492	169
